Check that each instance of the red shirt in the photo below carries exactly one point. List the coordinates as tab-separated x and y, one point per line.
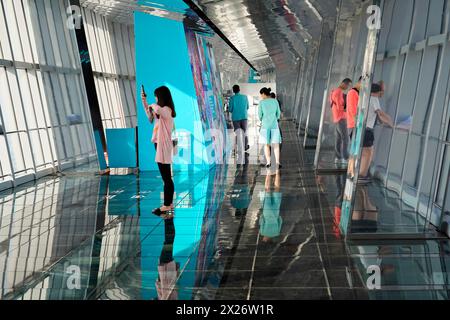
337	101
337	222
352	107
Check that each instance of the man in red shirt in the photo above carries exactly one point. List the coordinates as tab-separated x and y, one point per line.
337	101
352	107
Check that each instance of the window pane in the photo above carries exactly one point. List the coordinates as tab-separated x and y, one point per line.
8	6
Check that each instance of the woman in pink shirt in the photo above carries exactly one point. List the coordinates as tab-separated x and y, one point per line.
164	112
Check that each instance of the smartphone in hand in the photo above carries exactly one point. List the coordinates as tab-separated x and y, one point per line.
143	91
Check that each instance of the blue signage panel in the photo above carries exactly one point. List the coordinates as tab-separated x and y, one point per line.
121	148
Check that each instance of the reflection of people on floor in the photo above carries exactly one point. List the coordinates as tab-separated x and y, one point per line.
365	213
240	192
168	269
270	221
340	186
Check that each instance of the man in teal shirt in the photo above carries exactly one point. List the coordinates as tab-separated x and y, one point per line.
238	107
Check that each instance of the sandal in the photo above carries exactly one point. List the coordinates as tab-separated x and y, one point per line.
159	212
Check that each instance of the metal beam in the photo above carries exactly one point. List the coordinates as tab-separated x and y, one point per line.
216	29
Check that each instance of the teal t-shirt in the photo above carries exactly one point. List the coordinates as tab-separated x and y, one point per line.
269	113
270	222
239	107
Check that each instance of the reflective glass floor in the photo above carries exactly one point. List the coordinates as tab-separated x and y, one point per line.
377	211
239	232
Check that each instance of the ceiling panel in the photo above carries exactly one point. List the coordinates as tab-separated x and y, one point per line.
269	33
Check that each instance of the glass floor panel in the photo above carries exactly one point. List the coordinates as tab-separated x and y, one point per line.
239	232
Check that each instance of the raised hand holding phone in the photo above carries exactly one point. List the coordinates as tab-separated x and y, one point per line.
144	99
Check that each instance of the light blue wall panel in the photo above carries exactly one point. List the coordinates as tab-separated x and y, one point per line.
121	148
162	58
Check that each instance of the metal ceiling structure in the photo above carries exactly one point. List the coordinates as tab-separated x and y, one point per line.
277	30
271	34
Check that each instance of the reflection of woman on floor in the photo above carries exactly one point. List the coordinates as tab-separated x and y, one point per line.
168	269
365	214
365	220
270	221
164	111
240	193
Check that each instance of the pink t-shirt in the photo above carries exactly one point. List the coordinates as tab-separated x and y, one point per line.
152	118
163	135
155	130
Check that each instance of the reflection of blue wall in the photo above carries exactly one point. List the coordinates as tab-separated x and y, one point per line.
162	58
170	5
122	192
188	230
209	239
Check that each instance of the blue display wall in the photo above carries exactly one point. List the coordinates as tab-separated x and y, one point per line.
170	53
164	57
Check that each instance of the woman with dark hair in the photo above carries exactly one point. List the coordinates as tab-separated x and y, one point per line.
269	113
164	111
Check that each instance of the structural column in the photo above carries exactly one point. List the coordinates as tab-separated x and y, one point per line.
320	81
89	82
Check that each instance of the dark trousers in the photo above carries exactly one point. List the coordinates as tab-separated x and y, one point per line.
341	144
169	187
241	125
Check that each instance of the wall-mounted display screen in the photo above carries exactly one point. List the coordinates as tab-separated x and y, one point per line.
208	88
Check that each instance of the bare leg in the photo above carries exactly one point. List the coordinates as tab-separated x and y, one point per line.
277	182
268	182
351	167
372	153
370	159
362	167
276	149
365	161
267	153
